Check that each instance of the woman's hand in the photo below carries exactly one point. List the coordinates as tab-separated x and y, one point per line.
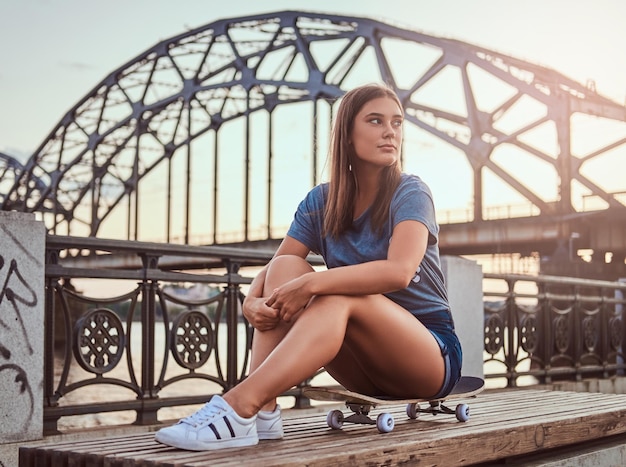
259	315
290	298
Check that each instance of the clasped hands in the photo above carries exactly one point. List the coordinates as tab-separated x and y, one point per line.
283	305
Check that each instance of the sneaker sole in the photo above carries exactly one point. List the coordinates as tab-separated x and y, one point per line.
195	445
270	435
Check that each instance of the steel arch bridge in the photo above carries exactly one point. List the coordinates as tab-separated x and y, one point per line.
223	129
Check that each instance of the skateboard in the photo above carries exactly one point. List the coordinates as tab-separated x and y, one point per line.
361	404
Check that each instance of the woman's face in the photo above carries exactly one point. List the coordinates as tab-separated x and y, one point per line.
377	133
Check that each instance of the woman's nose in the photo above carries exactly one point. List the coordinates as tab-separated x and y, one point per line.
389	130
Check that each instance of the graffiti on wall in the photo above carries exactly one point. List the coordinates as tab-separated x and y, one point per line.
18	302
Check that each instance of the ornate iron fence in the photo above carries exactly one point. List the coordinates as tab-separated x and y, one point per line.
542	328
154	337
92	341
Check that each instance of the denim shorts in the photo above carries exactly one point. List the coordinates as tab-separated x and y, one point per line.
441	326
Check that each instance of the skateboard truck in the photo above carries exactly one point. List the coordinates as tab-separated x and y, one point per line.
360	416
437	407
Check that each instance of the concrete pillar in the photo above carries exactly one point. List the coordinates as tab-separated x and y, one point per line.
22	263
464	281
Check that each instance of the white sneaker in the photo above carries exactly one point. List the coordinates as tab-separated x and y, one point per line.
214	426
269	425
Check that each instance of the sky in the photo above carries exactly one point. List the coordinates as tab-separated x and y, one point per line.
54	52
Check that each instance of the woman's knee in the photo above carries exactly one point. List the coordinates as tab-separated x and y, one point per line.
290	262
284	268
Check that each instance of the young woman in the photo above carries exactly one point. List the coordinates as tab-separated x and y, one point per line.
378	319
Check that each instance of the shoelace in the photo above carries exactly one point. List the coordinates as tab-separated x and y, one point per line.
206	413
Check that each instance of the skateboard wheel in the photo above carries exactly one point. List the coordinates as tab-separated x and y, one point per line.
334	419
385	422
462	412
413	410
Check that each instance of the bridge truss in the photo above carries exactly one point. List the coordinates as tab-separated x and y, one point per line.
224	128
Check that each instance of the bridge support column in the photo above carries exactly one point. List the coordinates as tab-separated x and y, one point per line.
22	265
464	280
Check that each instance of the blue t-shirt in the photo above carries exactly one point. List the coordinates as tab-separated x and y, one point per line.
412	200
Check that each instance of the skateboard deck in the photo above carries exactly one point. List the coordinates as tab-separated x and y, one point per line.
361	404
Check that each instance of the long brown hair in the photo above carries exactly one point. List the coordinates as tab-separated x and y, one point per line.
339	208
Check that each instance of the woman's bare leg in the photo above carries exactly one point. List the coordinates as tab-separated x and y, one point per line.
397	355
281	270
404	360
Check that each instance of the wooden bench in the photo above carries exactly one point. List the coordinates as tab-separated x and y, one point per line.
503	425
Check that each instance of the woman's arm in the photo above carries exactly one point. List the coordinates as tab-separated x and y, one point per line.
406	251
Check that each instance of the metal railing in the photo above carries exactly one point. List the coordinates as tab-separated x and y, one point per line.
146	339
542	328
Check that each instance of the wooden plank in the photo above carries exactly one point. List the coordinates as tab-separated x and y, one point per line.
503	424
72	452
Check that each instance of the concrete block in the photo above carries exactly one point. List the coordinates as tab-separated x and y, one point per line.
592	385
606	386
603	454
620	385
22	265
464	281
570	386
